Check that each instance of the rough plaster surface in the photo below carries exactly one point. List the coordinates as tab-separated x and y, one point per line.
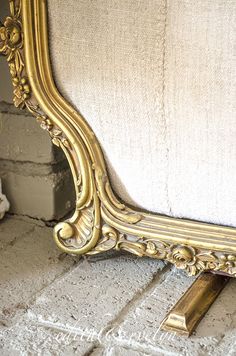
111	305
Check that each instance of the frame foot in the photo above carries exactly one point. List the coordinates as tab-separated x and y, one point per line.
189	310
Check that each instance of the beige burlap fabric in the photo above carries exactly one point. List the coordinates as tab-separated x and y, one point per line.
156	80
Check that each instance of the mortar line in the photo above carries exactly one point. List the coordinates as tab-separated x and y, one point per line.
16	238
9	108
52	163
47	223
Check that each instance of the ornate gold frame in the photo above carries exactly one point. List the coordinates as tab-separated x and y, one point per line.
100	221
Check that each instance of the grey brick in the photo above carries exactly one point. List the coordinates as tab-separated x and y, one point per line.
46	197
22	139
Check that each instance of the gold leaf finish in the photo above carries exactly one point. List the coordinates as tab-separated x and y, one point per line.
11	43
100	222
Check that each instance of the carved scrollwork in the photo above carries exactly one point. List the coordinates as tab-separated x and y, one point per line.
100	221
83	228
183	257
77	235
72	235
109	200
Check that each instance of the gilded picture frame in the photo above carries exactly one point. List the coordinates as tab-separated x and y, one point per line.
100	222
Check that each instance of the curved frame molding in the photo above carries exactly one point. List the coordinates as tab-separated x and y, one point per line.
100	221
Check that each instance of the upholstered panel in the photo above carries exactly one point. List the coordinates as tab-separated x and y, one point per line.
156	80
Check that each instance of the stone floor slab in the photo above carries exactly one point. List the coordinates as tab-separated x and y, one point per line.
26	338
26	267
90	298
